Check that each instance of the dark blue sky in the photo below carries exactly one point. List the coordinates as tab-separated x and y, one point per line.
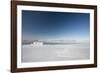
55	25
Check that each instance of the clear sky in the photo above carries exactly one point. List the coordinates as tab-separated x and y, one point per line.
55	25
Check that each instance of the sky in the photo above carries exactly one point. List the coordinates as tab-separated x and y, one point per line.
46	25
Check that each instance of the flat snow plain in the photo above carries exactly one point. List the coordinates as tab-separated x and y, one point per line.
63	52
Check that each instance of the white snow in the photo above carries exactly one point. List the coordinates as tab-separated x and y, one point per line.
42	53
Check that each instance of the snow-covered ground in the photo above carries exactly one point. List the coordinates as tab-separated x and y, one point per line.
32	53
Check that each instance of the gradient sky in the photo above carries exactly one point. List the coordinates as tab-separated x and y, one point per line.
55	25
